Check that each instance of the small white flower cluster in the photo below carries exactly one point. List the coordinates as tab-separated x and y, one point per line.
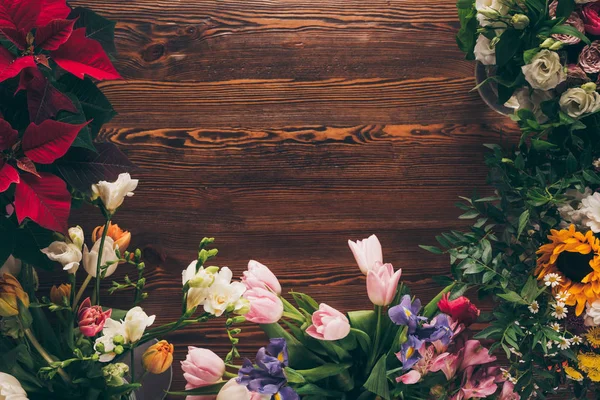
552	280
117	333
507	376
212	288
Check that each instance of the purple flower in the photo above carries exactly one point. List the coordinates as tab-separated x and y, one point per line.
268	376
437	329
407	313
409	353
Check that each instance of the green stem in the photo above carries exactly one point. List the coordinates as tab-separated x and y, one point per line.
81	290
99	263
375	351
45	355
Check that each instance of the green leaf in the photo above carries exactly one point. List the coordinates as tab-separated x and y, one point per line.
469	214
431	249
363	339
571	31
529	54
96	27
542	145
591	177
84	137
324	371
7	244
363	320
210	389
305	301
507	46
377	382
314	390
294	376
565	8
512	297
523	220
571	163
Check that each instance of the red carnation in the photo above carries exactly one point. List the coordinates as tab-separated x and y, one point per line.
460	309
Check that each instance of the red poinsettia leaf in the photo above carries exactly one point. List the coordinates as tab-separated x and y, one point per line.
82	56
25	164
46	142
8	135
19	38
52	35
51	10
20	14
8	175
11	67
43	99
44	200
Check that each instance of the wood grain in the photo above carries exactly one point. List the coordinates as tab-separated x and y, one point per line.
284	128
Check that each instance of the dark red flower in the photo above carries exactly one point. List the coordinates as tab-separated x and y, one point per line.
591	19
460	309
42	197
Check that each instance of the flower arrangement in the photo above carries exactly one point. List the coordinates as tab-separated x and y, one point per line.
543	56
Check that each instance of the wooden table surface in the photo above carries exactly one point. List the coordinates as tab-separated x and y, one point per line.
285	127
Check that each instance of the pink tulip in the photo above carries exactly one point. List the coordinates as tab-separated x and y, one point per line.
366	252
265	306
382	283
201	367
235	391
480	384
260	276
91	318
475	354
328	324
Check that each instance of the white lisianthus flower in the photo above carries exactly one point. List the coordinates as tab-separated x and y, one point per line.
224	295
545	70
112	194
11	266
576	102
199	283
68	254
489	9
531	100
10	388
571	212
484	52
590	206
135	323
76	236
592	313
90	257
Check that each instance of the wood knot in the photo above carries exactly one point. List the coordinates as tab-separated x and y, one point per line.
153	52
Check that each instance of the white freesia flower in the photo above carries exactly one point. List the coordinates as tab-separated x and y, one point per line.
112	194
90	257
11	266
10	388
531	100
111	330
576	102
592	313
545	70
76	236
490	9
590	206
135	323
484	52
199	283
224	295
68	254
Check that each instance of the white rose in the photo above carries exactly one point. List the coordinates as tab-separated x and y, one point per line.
571	212
11	266
487	9
90	257
484	52
576	102
10	388
68	254
224	295
112	194
235	391
76	236
545	70
531	100
199	283
592	314
590	206
135	323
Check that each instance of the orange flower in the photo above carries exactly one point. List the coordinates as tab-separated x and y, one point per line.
121	237
158	357
57	293
10	291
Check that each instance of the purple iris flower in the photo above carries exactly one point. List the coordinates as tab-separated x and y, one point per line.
409	353
407	313
268	376
438	329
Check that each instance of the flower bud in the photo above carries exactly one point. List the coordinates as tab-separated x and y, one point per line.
119	339
557	45
58	293
244	308
120	237
547	43
114	373
589	87
520	21
100	347
76	236
10	292
158	357
119	349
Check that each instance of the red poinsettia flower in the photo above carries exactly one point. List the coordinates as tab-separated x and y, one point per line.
42	197
54	37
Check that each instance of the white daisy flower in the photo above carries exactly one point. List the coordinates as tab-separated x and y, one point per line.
555	326
552	280
563	343
576	340
560	310
534	307
562	296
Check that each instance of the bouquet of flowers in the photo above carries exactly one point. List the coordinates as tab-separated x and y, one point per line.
397	350
543	56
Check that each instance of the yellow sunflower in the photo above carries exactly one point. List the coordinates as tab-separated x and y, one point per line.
575	257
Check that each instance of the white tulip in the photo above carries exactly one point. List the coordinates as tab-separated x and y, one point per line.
68	254
10	388
135	323
235	391
576	102
545	71
11	266
90	257
76	236
224	295
199	283
112	194
484	52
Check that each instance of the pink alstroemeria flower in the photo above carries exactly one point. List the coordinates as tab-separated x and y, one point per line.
91	318
480	384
